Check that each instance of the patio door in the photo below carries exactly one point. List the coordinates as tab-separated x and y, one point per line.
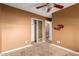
37	30
48	31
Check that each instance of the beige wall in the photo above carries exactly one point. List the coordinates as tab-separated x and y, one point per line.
0	29
15	27
69	35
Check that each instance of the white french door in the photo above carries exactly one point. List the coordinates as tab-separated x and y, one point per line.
48	30
41	30
37	30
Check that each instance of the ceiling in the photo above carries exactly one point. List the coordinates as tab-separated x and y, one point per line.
31	7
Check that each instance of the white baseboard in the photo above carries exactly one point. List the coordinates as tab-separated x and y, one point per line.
15	49
65	49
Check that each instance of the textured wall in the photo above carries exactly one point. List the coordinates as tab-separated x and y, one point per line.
0	29
69	35
15	27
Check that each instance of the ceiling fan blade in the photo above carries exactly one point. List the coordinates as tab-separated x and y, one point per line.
58	6
49	9
41	6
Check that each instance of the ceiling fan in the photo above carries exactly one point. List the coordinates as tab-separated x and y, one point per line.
50	6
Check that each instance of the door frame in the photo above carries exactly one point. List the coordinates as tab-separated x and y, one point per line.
32	32
50	31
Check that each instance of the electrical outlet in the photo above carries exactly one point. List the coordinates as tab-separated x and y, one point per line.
25	42
58	42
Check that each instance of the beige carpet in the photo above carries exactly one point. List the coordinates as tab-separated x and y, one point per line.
41	49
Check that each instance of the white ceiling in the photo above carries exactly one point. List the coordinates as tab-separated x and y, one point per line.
31	7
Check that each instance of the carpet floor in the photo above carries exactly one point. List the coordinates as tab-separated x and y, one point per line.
41	49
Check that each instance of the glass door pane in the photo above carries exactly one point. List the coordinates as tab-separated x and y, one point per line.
39	31
47	32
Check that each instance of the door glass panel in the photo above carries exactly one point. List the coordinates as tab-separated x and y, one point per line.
35	30
39	31
47	31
